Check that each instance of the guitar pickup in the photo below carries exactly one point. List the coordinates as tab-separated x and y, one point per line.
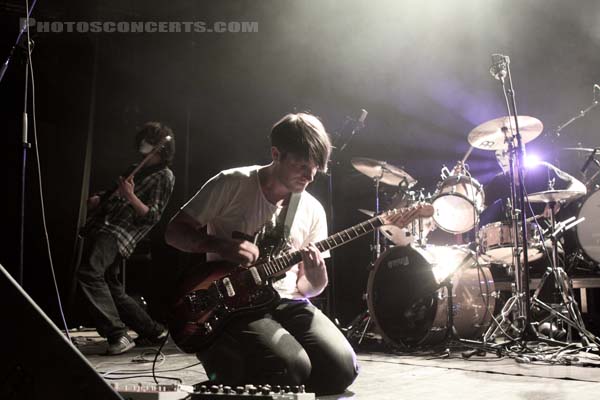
255	275
228	287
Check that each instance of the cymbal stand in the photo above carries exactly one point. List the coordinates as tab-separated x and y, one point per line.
376	247
591	159
563	285
477	347
362	321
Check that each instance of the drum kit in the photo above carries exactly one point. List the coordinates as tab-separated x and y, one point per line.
421	295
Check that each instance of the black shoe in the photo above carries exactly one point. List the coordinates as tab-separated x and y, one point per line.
121	345
145	341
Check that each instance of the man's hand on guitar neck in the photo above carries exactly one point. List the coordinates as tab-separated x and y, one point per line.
93	202
312	274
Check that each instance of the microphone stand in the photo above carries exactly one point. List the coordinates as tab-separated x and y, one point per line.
23	30
582	113
25	145
516	155
334	162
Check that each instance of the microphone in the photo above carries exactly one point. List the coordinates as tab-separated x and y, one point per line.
596	90
360	123
589	160
499	68
363	116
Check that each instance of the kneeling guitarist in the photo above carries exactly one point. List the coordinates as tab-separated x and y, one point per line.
291	342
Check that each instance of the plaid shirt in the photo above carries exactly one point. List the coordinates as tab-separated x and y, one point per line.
119	218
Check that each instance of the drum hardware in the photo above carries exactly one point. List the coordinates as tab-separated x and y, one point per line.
580	114
362	321
510	134
380	172
568	310
592	158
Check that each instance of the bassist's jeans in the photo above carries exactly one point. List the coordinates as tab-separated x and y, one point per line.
110	307
291	345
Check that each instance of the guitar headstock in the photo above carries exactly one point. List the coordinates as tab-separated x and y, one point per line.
163	141
404	216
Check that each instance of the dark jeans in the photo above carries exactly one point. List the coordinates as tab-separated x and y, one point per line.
110	307
292	345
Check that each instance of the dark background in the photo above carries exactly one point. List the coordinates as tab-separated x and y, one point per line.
419	67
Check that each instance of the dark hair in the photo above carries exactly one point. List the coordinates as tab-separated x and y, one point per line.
154	132
302	135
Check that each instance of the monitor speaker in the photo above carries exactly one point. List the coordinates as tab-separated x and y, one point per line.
38	361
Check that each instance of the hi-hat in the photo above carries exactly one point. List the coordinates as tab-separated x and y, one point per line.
575	189
383	172
495	134
554	196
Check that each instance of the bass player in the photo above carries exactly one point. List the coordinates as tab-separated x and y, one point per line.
119	220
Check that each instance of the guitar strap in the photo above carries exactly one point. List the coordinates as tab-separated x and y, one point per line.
290	215
288	221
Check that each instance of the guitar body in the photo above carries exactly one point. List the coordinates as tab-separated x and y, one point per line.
212	295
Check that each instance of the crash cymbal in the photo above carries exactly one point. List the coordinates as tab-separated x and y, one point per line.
554	196
491	134
382	171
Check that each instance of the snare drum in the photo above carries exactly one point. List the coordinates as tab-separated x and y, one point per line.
496	241
457	202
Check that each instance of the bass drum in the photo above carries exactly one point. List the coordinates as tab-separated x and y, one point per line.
408	300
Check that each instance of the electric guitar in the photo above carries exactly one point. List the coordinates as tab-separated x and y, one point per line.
212	295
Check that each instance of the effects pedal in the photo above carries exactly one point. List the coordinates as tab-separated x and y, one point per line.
258	392
150	391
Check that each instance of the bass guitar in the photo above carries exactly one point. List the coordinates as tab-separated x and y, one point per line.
214	294
99	210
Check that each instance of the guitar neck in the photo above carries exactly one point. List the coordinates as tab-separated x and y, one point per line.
145	161
281	263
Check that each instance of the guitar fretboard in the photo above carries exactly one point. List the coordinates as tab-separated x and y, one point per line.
281	263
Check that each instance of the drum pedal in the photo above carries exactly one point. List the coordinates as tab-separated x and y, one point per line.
474	352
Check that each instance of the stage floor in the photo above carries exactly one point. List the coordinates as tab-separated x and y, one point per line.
384	375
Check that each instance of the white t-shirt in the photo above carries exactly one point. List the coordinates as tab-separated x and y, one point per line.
234	201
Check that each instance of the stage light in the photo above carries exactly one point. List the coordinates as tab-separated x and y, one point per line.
532	160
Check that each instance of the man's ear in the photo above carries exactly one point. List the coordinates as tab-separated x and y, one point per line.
275	154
